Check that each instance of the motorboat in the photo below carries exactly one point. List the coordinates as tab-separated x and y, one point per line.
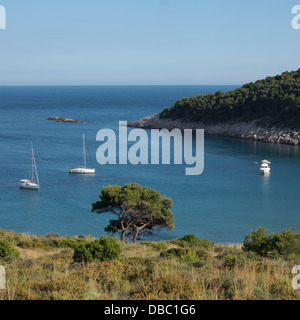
265	166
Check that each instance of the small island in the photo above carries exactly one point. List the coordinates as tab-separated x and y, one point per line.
59	119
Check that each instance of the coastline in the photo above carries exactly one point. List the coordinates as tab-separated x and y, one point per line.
240	130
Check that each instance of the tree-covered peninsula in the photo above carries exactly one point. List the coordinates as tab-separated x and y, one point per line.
274	101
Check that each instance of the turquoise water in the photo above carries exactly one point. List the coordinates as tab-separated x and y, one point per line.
228	200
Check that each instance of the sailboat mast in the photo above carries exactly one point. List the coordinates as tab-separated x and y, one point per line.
34	165
37	177
84	155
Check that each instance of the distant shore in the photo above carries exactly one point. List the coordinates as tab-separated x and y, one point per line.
241	130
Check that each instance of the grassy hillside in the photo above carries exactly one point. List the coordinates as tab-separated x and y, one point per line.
190	268
274	101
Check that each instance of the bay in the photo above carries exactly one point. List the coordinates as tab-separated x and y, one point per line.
228	200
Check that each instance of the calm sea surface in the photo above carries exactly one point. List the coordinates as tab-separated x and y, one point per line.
228	200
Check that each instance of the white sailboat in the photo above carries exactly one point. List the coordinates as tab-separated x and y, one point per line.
83	169
265	166
33	184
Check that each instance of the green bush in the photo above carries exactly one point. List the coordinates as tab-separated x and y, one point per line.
173	253
258	241
191	241
282	244
8	250
190	238
231	258
190	256
68	243
287	243
159	246
48	242
98	250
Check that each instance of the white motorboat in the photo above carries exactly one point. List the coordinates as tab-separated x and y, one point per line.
265	166
83	169
34	183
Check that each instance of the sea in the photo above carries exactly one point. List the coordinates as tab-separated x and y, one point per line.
229	199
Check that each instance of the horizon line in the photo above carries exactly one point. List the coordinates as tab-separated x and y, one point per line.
113	85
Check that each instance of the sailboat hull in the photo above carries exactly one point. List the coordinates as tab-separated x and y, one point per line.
81	171
25	184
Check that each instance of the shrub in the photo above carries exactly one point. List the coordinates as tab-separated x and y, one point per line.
231	258
159	246
174	253
98	250
287	243
190	256
191	238
68	243
8	250
283	244
52	235
192	241
258	241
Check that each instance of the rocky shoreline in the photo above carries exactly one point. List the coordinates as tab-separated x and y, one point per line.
241	130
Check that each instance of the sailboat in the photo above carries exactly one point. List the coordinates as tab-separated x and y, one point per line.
83	169
33	184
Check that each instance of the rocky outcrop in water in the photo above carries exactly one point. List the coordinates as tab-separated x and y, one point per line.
58	119
242	130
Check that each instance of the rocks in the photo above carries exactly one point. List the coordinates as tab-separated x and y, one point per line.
58	119
241	130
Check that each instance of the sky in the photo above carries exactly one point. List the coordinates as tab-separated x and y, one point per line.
146	42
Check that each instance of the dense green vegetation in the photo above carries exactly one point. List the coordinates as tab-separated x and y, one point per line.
138	210
78	268
98	250
8	250
274	101
285	244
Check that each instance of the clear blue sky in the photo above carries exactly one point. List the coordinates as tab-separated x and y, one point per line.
104	42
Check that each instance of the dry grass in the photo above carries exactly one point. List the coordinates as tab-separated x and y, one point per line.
219	272
33	254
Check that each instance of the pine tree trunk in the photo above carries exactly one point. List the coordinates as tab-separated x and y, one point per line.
135	236
123	236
